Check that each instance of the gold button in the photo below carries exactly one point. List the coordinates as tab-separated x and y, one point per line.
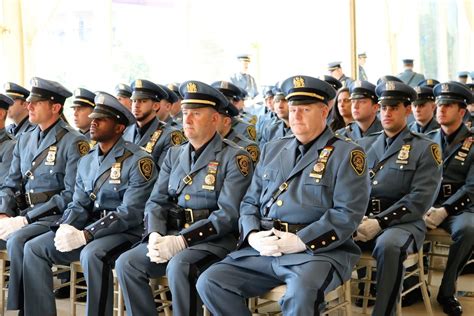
313	246
200	233
279	202
333	237
323	243
187	197
186	225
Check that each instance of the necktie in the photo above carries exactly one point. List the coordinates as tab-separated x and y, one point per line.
388	142
194	158
299	153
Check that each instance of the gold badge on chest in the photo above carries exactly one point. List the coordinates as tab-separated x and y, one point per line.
210	178
115	173
404	154
153	139
51	157
320	165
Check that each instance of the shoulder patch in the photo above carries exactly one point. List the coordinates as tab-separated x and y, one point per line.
358	161
177	138
254	152
436	152
83	147
253	119
146	165
243	163
252	132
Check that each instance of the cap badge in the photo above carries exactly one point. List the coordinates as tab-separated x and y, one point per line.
418	90
77	92
34	82
444	87
7	86
357	84
429	81
138	84
121	86
298	82
224	85
389	86
191	87
101	99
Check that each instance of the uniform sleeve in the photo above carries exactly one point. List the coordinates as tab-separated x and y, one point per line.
463	197
12	184
129	214
7	158
350	199
58	202
421	194
157	205
249	220
239	171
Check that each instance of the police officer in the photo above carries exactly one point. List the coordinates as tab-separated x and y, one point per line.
281	127
155	136
362	58
336	84
123	93
295	225
191	216
364	109
243	79
423	109
224	128
104	218
164	112
335	70
41	180
469	121
268	116
408	76
175	110
234	95
7	142
462	76
454	207
428	83
18	112
83	104
405	170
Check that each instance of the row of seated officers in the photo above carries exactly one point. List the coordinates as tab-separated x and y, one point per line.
221	220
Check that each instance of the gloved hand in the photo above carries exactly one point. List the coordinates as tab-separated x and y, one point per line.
286	243
152	246
168	246
435	216
264	242
358	236
368	229
9	225
69	238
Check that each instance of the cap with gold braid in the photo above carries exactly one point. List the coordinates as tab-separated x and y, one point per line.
197	94
15	91
300	90
83	97
145	89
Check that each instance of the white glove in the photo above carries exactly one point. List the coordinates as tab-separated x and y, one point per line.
368	229
10	225
152	246
168	246
288	242
69	238
435	216
264	242
359	236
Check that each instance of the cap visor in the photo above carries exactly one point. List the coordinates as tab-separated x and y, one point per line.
35	98
390	101
195	106
95	115
306	102
449	101
140	95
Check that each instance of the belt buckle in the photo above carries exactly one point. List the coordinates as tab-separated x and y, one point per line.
371	174
447	190
376	205
187	179
283	186
189	215
281	225
92	196
28	199
103	214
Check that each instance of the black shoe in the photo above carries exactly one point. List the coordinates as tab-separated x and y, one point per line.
413	297
451	305
360	302
468	269
63	292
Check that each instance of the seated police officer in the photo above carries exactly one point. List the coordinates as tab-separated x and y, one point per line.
175	110
154	136
224	128
364	109
18	112
405	171
268	114
104	218
454	209
191	216
423	109
298	215
234	95
82	105
7	142
164	112
123	93
40	183
281	125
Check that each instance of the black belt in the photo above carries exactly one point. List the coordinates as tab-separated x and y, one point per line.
448	189
39	197
377	206
192	216
269	223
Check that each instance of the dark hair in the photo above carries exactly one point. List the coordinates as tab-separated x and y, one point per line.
337	121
